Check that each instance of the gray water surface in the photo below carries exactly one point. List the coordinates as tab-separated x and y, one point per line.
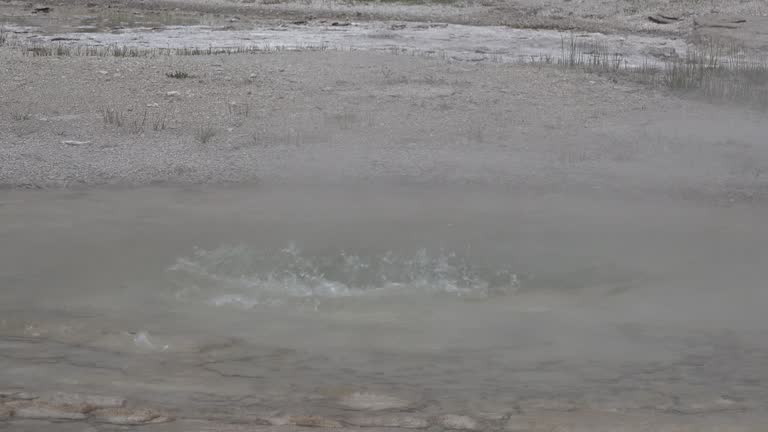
449	294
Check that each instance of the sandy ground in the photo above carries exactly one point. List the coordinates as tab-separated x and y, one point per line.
331	116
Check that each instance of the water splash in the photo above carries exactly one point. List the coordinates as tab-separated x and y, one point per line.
244	277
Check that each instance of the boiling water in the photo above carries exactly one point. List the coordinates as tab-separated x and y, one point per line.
449	294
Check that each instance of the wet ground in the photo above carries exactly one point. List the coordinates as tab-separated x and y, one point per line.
448	41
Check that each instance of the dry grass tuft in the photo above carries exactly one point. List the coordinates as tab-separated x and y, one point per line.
21	115
713	71
134	125
204	134
62	50
178	75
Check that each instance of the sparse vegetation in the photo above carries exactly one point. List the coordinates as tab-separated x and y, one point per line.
238	112
21	115
346	120
720	74
159	123
126	51
137	125
203	134
178	75
239	109
713	71
112	117
134	125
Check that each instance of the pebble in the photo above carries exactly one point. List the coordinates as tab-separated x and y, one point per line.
457	422
173	94
75	143
373	402
45	410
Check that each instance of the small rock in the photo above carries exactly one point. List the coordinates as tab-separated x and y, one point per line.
103	72
94	401
75	143
252	76
173	94
130	416
314	421
373	402
397	27
300	22
153	105
393	421
457	422
45	410
340	24
41	9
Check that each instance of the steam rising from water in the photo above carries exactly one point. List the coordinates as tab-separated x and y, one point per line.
242	276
